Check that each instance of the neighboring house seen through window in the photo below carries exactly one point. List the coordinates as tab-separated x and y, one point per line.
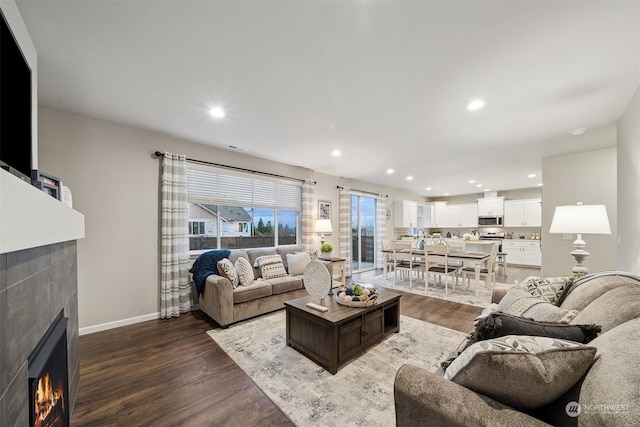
196	228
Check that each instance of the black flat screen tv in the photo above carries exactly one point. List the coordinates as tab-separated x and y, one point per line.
15	105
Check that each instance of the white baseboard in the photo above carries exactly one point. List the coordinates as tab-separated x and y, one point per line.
118	323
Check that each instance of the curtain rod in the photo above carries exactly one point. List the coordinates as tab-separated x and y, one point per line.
204	162
362	191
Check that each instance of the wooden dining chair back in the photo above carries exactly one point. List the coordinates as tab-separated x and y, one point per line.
488	274
437	263
404	259
388	257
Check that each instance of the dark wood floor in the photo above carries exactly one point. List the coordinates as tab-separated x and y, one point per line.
170	373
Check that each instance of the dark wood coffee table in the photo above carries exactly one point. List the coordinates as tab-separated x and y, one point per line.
335	337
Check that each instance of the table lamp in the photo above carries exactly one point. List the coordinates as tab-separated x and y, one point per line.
323	226
580	219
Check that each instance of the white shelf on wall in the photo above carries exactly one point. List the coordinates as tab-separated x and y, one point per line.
30	218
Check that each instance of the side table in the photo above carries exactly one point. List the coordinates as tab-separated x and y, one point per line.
336	267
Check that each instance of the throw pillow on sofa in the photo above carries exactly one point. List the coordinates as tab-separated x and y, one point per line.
298	262
226	269
245	271
500	324
550	289
518	302
524	372
271	266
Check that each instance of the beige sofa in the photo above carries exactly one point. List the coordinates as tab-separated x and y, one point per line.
608	394
226	305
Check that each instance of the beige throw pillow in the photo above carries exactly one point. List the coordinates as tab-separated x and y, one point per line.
298	262
525	372
518	302
245	271
226	269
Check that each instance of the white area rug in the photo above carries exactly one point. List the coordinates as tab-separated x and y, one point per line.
361	393
460	294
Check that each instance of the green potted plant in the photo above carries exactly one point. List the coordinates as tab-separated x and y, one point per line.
326	250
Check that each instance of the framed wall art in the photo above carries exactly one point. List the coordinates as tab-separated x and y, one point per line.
324	209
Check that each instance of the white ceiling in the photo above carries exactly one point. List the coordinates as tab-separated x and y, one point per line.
384	82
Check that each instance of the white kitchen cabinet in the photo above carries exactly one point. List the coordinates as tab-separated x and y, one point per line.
523	213
405	213
435	215
523	252
491	206
463	215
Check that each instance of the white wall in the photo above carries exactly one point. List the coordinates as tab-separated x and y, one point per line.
114	180
629	187
588	177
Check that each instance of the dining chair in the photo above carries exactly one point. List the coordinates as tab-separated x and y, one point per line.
404	259
485	273
436	257
501	261
388	258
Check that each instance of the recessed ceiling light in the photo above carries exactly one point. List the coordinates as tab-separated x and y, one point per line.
428	188
336	153
390	171
409	178
478	185
217	113
446	194
476	104
540	184
578	131
487	189
471	181
532	175
236	148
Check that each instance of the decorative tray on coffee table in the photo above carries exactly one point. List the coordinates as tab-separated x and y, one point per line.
357	295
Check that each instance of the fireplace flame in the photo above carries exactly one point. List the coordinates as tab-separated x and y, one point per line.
47	399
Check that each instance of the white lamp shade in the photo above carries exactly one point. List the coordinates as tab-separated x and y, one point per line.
323	226
580	219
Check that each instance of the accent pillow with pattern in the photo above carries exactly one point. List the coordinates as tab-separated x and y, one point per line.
226	269
245	271
271	266
524	372
550	288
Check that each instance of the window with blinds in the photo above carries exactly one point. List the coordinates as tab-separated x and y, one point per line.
240	210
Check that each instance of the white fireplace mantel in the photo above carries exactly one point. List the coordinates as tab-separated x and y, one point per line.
30	218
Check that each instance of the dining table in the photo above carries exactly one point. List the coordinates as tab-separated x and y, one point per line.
478	259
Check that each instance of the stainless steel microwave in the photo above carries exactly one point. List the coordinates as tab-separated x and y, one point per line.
490	221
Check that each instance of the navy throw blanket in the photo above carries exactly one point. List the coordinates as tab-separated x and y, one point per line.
205	265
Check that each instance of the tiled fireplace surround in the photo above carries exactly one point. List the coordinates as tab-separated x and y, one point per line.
35	285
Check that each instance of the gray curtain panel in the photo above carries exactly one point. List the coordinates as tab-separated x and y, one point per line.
345	228
381	228
308	215
175	290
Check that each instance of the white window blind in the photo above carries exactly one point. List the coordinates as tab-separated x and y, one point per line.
230	188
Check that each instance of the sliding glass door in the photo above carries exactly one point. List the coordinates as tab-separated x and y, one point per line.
363	233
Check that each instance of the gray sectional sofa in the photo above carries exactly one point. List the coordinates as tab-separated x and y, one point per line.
226	305
607	395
